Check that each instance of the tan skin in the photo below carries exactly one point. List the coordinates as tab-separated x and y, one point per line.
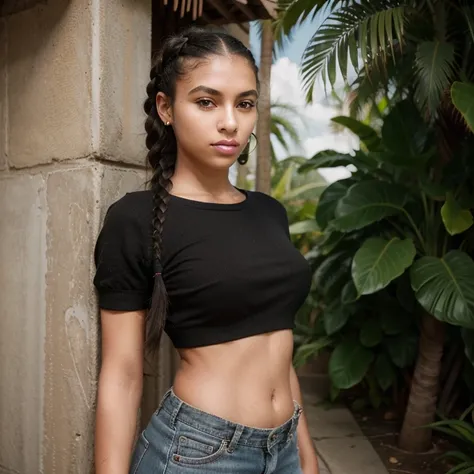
250	381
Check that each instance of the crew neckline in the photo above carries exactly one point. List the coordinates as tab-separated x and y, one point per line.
215	205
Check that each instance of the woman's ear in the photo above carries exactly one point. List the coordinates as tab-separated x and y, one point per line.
163	107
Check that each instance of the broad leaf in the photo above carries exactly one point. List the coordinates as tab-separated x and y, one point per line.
302	227
307	351
349	363
367	135
380	261
456	220
384	372
326	159
462	95
444	287
402	349
368	202
349	293
335	319
328	201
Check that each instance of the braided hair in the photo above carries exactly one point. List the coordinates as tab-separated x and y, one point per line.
171	64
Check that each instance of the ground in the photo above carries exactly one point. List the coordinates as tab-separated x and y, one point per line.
382	428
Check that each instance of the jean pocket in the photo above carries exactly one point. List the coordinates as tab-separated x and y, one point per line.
194	447
141	447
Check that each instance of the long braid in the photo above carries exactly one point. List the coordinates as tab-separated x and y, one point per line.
196	44
163	162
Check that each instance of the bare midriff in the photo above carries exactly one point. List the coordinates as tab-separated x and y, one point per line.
245	381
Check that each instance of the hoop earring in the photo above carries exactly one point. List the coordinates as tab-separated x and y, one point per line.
244	156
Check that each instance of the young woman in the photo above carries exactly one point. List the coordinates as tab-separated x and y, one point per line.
214	267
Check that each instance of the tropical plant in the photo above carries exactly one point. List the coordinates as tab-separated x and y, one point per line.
421	46
401	213
461	432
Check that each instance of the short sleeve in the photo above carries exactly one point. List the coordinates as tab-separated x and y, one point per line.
123	275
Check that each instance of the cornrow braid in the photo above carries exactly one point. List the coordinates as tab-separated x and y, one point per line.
170	65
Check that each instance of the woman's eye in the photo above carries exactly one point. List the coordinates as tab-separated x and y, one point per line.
247	105
205	103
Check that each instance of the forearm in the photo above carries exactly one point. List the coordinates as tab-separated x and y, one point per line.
309	460
116	417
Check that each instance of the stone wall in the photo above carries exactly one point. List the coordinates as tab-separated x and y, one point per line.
72	80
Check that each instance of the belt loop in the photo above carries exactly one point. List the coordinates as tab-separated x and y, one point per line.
175	413
294	419
162	401
235	438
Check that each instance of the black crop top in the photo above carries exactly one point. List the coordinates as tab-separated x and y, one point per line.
230	270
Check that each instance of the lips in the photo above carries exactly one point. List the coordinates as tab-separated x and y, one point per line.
226	147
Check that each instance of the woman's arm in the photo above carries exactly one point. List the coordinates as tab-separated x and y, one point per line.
309	460
120	389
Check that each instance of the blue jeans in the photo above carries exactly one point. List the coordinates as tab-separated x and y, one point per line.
181	439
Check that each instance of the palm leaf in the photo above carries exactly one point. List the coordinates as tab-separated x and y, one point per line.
435	63
365	23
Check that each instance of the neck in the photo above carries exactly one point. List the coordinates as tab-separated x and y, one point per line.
191	178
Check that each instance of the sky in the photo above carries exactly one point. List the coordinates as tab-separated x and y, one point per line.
315	133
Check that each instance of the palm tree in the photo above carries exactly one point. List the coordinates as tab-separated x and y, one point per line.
263	123
398	48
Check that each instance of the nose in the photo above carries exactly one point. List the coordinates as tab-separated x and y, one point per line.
228	121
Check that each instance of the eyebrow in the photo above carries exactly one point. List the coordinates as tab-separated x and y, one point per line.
211	91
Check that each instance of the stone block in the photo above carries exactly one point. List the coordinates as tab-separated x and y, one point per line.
22	321
116	182
50	97
3	94
71	348
125	60
347	455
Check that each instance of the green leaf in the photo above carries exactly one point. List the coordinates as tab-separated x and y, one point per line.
384	372
349	363
371	333
468	338
455	219
368	202
326	159
335	319
435	63
444	287
380	261
402	349
462	95
404	131
303	227
349	293
328	201
306	351
367	135
341	30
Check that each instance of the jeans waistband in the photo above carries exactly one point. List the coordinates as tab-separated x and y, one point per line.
235	433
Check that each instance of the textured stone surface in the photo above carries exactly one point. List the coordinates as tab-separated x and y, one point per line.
50	99
22	321
3	94
125	37
115	182
335	431
71	321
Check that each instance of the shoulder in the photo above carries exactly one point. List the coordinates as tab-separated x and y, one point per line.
135	207
267	201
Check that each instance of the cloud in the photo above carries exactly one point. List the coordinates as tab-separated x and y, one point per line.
317	135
